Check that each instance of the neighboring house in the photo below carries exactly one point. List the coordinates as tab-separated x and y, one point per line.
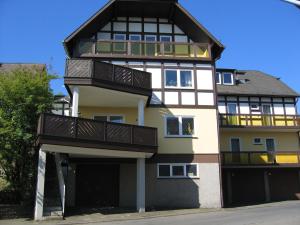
259	137
8	67
61	105
144	129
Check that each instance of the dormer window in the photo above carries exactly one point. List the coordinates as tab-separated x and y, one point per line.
218	78
227	78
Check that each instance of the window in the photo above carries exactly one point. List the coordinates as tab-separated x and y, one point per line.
114	119
257	141
179	126
218	78
227	78
254	107
167	49
135	45
232	108
119	46
171	78
178	79
177	170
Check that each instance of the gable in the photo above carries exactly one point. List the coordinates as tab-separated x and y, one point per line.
170	11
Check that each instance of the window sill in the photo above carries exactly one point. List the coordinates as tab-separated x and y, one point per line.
189	178
178	136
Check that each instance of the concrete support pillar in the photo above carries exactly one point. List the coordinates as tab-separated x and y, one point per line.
267	186
39	198
75	101
141	105
140	188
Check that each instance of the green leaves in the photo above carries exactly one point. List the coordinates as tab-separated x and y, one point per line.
24	94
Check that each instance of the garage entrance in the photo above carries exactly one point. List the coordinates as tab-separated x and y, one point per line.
97	185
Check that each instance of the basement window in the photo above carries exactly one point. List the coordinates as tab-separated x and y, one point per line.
177	170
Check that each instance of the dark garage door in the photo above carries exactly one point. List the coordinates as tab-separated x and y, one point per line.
284	184
97	185
247	186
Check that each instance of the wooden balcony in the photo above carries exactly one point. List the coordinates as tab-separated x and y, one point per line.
261	158
105	75
142	49
87	133
259	120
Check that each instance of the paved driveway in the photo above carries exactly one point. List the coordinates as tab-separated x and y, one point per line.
284	213
287	213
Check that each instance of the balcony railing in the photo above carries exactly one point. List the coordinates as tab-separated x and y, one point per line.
258	120
65	130
261	158
107	75
135	49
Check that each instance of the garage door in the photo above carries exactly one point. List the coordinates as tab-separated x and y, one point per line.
97	185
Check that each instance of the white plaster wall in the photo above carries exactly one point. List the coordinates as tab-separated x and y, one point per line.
119	26
135	27
244	108
290	109
278	109
165	28
209	186
150	27
171	98
221	107
156	77
205	98
188	98
204	80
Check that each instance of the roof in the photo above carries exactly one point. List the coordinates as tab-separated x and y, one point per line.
256	83
169	9
8	67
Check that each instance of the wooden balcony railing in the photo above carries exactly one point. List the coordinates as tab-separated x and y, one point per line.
258	120
107	75
135	49
260	158
65	130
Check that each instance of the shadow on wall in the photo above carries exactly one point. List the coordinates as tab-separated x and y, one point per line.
166	193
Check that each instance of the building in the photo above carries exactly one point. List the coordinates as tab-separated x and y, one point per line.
259	137
144	126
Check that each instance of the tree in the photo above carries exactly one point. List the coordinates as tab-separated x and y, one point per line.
24	94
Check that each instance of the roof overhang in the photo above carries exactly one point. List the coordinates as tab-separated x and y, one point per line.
169	9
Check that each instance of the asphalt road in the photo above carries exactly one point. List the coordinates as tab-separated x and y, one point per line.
285	213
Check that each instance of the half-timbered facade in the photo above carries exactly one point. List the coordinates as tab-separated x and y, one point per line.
259	137
143	130
153	123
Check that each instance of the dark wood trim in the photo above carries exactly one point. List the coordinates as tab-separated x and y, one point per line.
185	158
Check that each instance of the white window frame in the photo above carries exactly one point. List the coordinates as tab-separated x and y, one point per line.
186	176
180	126
178	78
232	78
220	77
108	116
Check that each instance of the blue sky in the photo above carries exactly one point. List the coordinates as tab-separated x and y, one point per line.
262	35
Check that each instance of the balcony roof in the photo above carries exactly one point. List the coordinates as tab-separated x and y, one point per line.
169	9
255	83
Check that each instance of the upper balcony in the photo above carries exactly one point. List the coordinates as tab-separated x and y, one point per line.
91	137
259	121
143	50
106	75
